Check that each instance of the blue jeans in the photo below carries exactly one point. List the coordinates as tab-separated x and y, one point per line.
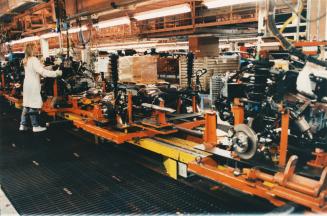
32	113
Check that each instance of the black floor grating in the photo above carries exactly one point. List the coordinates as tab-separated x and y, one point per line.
102	180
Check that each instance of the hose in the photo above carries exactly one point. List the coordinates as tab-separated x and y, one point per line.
292	18
284	42
302	17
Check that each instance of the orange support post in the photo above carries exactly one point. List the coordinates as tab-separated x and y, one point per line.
194	104
320	160
210	131
161	116
284	139
74	102
55	88
130	108
97	112
238	112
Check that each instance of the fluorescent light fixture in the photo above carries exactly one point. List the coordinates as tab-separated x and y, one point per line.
224	3
167	11
25	40
143	46
49	35
75	30
113	22
30	39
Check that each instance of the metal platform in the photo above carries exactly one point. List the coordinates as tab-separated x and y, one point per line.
58	173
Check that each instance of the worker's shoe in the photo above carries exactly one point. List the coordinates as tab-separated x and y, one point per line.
23	128
39	129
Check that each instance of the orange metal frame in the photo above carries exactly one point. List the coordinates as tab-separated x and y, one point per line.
320	160
277	188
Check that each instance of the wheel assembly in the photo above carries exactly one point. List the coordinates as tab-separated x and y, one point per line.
245	141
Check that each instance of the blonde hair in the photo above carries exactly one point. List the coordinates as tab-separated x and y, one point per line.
29	52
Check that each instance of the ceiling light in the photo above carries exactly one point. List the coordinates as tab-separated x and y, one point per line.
30	39
223	3
25	40
49	35
113	22
167	11
75	30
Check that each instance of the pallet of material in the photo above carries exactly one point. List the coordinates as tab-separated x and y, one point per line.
138	69
214	66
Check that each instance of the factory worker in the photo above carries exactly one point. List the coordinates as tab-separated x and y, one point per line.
32	100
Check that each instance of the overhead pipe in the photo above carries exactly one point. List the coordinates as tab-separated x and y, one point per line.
189	131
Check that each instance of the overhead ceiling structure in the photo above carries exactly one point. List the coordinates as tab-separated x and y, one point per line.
9	9
150	15
27	18
101	21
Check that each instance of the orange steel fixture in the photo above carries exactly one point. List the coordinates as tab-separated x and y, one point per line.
194	106
97	112
55	88
158	122
210	131
161	116
309	43
284	139
238	112
320	160
276	188
110	134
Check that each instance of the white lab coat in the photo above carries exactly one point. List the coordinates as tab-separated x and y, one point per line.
32	85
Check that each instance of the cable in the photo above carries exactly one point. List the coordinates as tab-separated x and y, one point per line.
299	14
292	18
284	42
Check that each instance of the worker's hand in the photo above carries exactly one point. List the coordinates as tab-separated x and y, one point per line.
58	73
